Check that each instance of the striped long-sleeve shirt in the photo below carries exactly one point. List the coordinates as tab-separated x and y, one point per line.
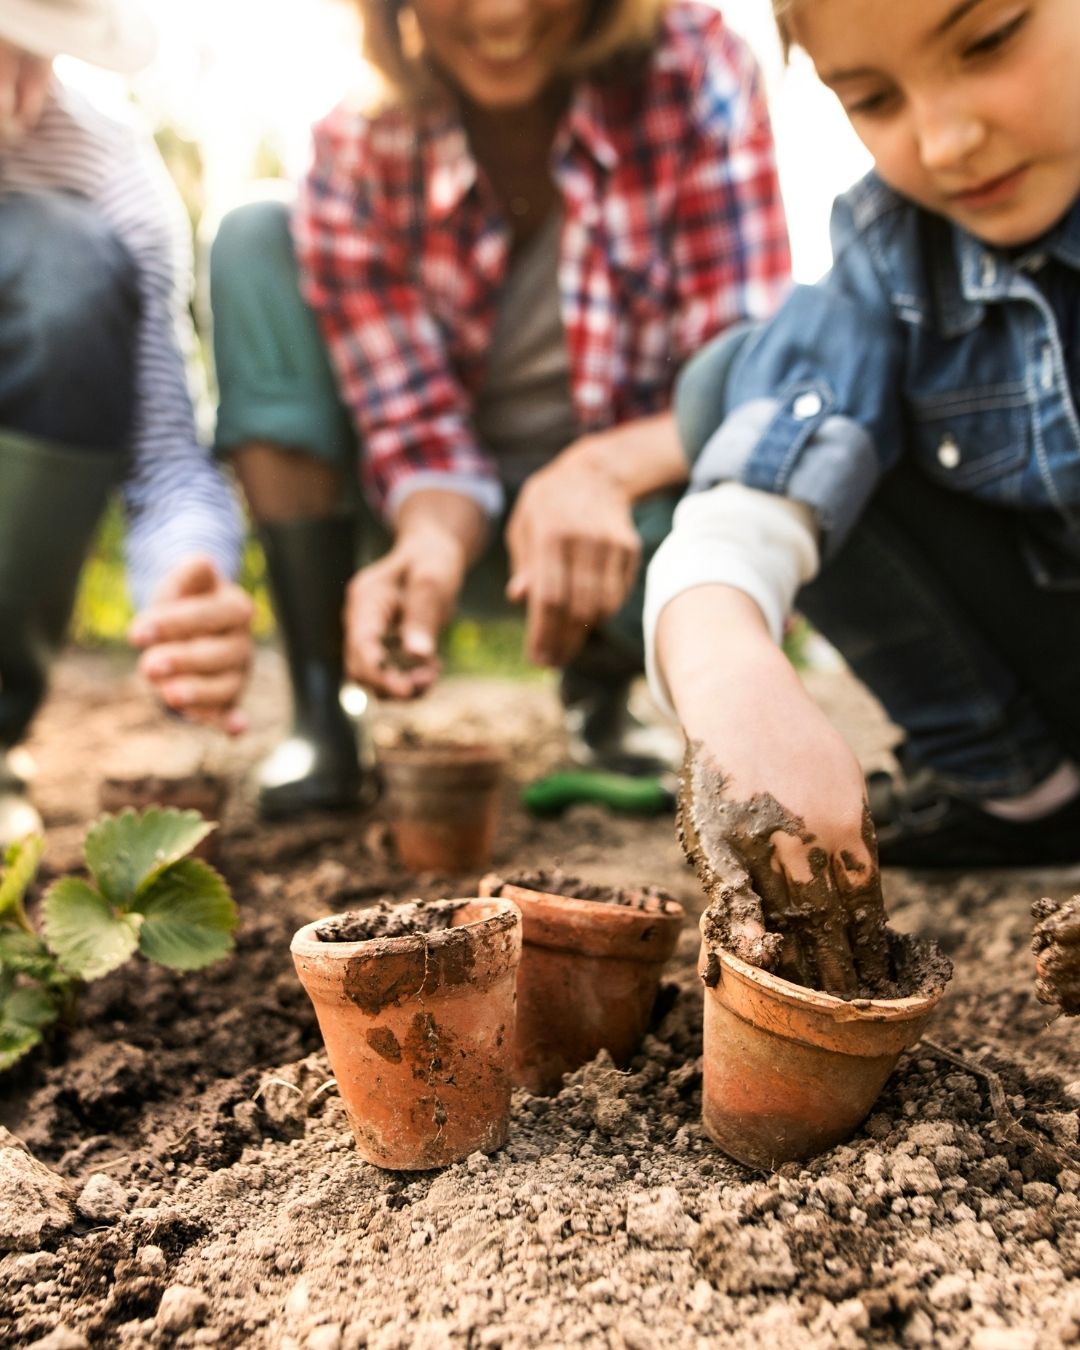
176	500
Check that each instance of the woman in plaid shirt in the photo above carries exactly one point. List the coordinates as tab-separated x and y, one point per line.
501	270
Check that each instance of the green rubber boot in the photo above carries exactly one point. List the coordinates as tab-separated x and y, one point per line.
324	763
51	499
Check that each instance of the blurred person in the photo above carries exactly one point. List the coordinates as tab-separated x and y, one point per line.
490	282
94	393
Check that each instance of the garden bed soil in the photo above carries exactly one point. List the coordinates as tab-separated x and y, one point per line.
209	1192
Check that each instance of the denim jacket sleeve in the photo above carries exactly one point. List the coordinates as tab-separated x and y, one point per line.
812	399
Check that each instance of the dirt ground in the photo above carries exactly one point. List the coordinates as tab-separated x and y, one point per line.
220	1201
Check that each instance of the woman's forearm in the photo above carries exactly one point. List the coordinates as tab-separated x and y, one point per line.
640	457
450	520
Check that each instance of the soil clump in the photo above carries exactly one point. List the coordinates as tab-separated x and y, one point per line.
1056	944
387	920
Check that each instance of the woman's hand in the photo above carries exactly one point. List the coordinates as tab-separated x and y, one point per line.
24	87
195	639
574	554
574	550
396	608
773	809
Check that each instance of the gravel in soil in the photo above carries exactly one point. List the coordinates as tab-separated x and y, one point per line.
193	1180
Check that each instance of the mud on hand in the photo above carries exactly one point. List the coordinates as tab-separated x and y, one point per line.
778	901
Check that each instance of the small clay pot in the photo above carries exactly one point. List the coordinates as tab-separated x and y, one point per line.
789	1071
419	1028
442	802
206	793
588	978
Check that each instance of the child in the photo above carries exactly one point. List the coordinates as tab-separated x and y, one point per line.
94	266
899	447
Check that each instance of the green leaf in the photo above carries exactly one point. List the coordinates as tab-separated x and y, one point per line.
25	952
127	853
82	928
21	861
188	917
23	1015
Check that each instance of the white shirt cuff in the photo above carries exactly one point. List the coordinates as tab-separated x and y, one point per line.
758	542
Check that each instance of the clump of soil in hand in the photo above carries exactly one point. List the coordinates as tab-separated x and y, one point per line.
651	899
394	656
828	932
389	921
1056	944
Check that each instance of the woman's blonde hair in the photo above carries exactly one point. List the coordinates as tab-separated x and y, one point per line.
614	30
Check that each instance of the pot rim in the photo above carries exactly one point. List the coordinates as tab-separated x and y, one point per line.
504	915
816	1000
553	900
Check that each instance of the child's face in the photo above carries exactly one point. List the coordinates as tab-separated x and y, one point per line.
500	53
969	107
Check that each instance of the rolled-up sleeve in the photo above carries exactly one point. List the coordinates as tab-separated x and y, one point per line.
813	398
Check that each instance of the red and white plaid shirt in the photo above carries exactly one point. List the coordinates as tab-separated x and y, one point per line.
672	229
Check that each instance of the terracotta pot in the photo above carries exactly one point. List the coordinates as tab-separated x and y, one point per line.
419	1030
206	793
788	1071
442	804
587	981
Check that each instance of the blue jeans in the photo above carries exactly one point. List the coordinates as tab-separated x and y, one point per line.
69	307
935	604
68	314
962	618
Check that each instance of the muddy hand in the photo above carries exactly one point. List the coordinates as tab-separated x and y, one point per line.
1056	944
778	901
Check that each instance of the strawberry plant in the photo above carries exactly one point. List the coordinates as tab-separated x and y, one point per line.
143	894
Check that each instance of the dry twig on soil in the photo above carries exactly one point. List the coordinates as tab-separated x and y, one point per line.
1062	1159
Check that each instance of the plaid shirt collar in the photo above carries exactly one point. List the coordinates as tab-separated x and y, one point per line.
454	173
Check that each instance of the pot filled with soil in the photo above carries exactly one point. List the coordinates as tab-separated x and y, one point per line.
791	1071
590	968
416	1006
442	802
204	792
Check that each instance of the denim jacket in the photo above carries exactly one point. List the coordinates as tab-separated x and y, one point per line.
920	340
